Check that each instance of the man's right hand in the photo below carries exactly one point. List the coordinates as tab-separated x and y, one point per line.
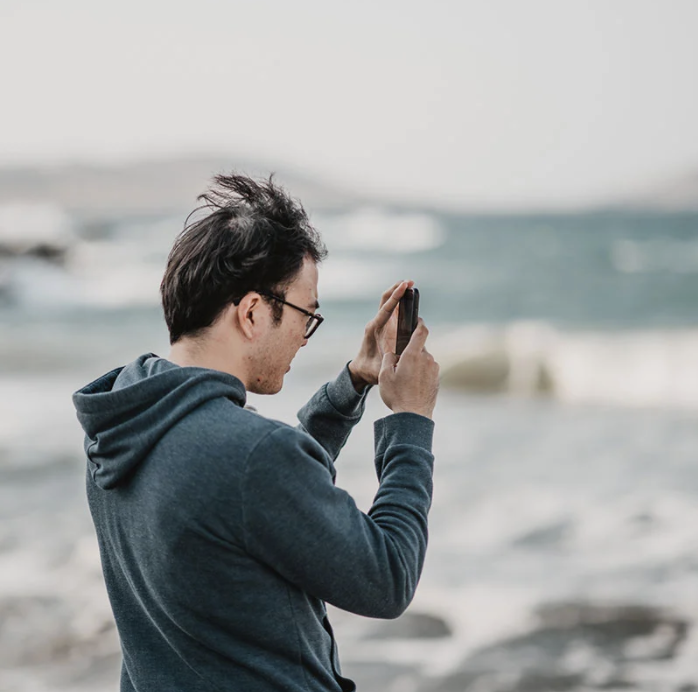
410	382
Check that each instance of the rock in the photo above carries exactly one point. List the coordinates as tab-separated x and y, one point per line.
614	627
517	359
534	681
578	646
552	536
487	372
411	626
547	682
43	231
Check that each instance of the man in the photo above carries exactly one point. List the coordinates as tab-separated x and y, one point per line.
221	533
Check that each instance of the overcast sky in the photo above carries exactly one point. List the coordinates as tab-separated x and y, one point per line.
496	101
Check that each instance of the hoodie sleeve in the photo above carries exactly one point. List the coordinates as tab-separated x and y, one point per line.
332	412
312	533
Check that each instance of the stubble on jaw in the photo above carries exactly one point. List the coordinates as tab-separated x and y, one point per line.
265	365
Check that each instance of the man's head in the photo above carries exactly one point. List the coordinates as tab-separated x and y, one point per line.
254	243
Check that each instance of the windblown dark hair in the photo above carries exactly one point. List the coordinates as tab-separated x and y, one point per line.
254	238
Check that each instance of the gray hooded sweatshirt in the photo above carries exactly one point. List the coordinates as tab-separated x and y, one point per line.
222	534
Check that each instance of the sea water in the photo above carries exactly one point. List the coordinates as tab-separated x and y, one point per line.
563	549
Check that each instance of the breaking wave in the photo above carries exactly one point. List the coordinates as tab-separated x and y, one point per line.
639	368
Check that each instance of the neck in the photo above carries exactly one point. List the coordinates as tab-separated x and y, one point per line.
209	354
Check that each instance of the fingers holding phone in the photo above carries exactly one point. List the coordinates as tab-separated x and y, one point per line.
410	382
390	300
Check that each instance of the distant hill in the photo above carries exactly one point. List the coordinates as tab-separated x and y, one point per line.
156	186
172	185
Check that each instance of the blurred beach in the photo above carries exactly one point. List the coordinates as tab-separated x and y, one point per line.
563	551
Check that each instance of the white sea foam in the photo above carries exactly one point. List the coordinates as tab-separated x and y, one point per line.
347	278
371	228
638	530
36	414
26	225
96	273
640	368
30	281
118	273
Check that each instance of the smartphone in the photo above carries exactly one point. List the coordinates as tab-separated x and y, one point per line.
407	316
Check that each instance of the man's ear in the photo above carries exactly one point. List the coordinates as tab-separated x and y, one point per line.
249	315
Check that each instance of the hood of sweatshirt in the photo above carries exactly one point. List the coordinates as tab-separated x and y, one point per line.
127	411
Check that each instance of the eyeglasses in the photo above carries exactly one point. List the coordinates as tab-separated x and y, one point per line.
314	319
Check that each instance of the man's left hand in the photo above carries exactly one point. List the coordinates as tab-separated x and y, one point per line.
379	338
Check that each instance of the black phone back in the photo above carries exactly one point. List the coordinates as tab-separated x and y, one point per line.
407	317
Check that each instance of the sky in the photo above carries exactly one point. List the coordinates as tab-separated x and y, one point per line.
487	103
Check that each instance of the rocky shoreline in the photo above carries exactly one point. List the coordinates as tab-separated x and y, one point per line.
65	644
575	646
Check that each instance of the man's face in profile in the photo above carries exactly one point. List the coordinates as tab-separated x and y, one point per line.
280	342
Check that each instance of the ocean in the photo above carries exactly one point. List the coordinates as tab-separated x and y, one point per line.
563	544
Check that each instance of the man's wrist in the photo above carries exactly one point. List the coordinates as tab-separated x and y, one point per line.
425	413
359	382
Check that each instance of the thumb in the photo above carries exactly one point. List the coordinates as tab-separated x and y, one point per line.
418	338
